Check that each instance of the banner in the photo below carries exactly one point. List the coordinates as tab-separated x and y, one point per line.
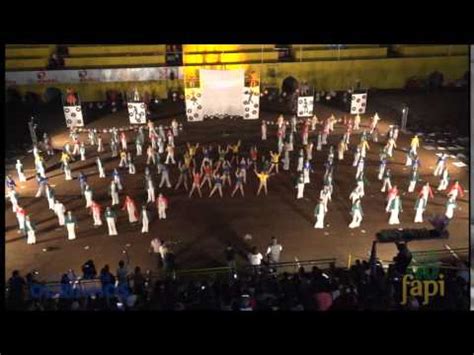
305	106
358	103
194	111
251	101
92	75
73	115
137	112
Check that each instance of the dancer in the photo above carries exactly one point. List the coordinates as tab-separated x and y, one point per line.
82	151
360	167
410	155
426	192
113	148
13	196
82	178
145	219
88	195
150	188
162	204
325	133
357	214
361	181
263	176
239	184
39	164
300	187
357	122
70	222
319	142
131	165
47	144
444	180
299	167
275	157
196	183
309	151
217	184
374	121
11	183
96	210
440	164
111	217
395	209
114	193
174	127
165	176
60	211
415	143
139	145
243	166
226	167
306	172
455	189
387	181
341	148
389	147
264	130
413	180
420	206
123	140
319	213
20	171
150	155
100	167
355	195
117	179
20	216
325	196
206	170
42	182
170	154
100	144
450	207
183	176
123	159
357	154
382	166
364	146
131	208
50	195
30	229
392	193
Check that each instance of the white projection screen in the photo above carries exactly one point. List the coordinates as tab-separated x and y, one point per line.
222	92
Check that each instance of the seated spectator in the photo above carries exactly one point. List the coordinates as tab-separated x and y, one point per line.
17	288
88	270
107	280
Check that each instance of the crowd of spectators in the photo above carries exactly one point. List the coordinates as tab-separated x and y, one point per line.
367	285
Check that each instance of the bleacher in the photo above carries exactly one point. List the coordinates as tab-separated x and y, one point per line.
27	57
403	50
323	52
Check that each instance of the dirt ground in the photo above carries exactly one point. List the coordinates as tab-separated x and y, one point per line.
203	226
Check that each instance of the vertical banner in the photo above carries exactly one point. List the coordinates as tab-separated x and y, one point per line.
305	106
194	111
137	112
251	101
73	115
358	103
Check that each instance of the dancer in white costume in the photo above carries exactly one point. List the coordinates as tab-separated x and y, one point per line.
425	192
131	209
162	204
138	146
325	196
420	206
100	167
309	151
150	189
117	179
360	167
50	195
170	154
300	187
395	209
355	195
357	214
82	151
114	193
387	180
70	222
110	217
60	210
319	142
450	207
410	155
145	217
30	229
319	213
382	166
20	216
455	190
356	156
306	172
96	210
413	180
444	180
20	171
88	193
389	146
165	176
341	148
131	165
440	164
299	167
13	196
373	123
357	122
264	130
100	144
150	155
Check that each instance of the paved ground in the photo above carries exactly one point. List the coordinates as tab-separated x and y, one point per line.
204	226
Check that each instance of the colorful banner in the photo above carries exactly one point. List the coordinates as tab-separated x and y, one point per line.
92	75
